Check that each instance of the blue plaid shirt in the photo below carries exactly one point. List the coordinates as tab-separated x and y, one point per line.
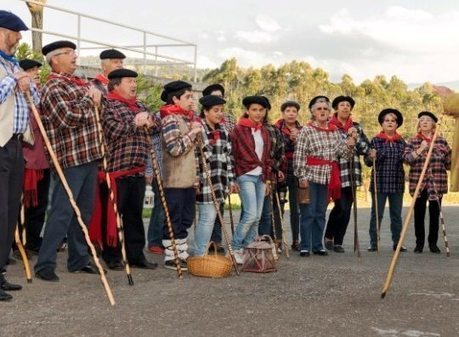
8	86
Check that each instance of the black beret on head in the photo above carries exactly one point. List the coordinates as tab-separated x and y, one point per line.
287	104
211	100
340	99
213	87
172	87
397	113
111	54
57	45
27	64
262	100
11	21
428	113
315	99
120	73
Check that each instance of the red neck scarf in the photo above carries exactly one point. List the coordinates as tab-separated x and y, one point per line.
130	102
215	134
172	109
422	137
389	139
69	78
250	124
329	128
282	125
102	79
345	127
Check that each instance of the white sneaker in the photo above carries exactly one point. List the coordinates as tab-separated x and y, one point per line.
238	256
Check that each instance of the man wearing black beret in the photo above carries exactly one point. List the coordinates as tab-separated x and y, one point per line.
350	172
110	59
14	127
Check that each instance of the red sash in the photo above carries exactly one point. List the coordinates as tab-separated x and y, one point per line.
334	186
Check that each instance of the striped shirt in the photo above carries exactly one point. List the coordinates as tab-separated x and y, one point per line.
70	123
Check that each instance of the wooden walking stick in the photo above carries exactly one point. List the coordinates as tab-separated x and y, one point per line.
281	218
393	264
230	208
273	222
378	225
442	221
25	260
119	222
75	207
170	230
216	204
354	208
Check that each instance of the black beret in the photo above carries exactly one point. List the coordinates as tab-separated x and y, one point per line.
111	54
340	99
315	99
27	64
172	87
397	113
211	100
57	45
213	87
428	113
287	104
262	100
11	21
120	73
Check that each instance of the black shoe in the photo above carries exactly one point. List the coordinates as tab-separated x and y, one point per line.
434	249
88	269
115	265
171	265
5	285
304	253
321	252
338	249
220	249
47	275
418	249
402	248
5	296
145	264
328	243
372	248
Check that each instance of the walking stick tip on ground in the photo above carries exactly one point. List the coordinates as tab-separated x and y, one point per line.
383	295
130	280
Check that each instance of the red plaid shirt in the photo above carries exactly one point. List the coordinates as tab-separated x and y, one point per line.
70	123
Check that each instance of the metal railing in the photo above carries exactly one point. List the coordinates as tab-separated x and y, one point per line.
147	58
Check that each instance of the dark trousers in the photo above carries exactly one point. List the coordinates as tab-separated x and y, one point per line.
35	215
419	216
339	217
157	219
11	180
270	209
217	231
181	203
62	220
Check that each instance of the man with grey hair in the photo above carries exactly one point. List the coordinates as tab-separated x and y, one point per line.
110	59
14	126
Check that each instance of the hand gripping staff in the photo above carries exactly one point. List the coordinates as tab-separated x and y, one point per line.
71	199
217	207
393	264
119	223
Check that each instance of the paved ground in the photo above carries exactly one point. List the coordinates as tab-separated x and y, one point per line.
338	295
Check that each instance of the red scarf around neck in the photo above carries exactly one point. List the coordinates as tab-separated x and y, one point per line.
422	137
130	102
346	126
250	123
329	128
389	139
102	79
285	129
69	78
173	109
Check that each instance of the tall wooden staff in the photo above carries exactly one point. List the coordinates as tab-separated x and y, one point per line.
75	207
25	260
378	225
119	223
354	208
281	218
393	264
230	208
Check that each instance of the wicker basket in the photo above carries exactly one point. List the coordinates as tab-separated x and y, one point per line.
209	265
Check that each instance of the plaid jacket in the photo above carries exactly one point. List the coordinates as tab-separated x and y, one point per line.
277	148
435	179
390	175
321	144
70	123
127	146
244	154
229	122
361	149
289	146
219	162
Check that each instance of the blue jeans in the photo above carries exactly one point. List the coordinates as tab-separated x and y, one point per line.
395	211
204	227
265	226
157	219
252	194
312	218
62	220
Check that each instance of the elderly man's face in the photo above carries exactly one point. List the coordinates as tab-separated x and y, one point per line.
65	61
109	65
9	40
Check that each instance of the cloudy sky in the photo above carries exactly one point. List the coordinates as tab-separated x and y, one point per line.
415	40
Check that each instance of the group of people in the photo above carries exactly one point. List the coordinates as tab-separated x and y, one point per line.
109	146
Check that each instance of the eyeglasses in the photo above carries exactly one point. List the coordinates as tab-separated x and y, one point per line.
68	52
